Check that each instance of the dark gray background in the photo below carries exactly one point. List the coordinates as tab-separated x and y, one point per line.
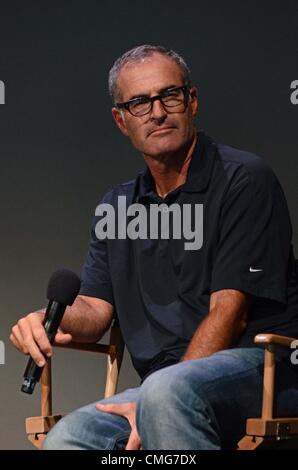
60	149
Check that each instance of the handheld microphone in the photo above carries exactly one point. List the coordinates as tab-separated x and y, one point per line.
63	287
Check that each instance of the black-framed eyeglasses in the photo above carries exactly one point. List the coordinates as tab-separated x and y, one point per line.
172	98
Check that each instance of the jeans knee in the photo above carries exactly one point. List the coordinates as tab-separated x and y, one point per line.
88	429
169	408
164	389
155	389
77	431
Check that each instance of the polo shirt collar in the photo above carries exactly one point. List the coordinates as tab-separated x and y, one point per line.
198	175
201	164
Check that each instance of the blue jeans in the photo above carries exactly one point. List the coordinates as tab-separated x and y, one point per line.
198	404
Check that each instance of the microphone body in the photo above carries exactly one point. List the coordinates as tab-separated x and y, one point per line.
52	320
63	288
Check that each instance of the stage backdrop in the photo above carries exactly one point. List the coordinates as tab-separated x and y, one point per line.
60	149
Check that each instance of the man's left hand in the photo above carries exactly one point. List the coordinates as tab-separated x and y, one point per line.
128	411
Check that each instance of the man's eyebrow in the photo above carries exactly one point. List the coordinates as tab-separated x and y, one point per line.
161	90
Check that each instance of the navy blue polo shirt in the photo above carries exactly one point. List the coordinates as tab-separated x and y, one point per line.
161	291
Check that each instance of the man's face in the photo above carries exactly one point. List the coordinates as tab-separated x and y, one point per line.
162	131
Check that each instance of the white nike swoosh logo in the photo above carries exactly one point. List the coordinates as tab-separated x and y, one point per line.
252	270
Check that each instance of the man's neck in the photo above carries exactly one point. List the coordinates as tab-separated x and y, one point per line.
170	171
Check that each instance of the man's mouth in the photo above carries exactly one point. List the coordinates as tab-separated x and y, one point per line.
161	130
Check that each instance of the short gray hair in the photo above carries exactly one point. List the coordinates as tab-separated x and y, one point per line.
136	55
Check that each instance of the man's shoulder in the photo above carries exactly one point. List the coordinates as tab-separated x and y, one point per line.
126	188
248	166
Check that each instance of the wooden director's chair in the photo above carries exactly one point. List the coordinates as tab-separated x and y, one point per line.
261	433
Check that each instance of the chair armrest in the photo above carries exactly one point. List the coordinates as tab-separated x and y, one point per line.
268	338
89	347
268	429
270	341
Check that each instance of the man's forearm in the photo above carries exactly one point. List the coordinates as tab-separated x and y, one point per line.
83	321
223	325
211	336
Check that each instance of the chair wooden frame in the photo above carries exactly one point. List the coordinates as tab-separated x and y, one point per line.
37	427
269	432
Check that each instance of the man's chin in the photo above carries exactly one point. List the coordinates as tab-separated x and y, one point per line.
161	152
159	146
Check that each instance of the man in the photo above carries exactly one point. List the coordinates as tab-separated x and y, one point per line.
188	314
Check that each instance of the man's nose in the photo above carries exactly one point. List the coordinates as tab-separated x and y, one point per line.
158	111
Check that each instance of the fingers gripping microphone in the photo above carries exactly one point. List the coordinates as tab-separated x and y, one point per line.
63	287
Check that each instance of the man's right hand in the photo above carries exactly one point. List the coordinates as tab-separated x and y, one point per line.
29	337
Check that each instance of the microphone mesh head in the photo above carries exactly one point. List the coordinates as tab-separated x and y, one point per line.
63	287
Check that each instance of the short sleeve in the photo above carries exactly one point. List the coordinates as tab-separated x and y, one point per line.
95	275
254	242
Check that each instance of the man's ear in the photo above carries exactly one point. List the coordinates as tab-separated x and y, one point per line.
119	118
193	100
